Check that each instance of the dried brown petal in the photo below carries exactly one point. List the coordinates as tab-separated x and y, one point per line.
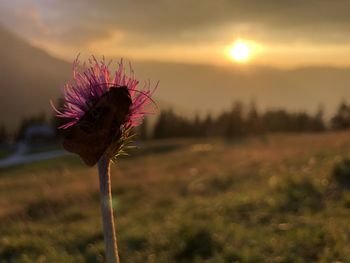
96	130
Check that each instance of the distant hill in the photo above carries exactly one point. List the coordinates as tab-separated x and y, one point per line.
208	88
30	77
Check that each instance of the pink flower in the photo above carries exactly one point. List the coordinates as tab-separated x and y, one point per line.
101	108
91	82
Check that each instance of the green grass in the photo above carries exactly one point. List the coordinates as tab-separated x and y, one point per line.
270	200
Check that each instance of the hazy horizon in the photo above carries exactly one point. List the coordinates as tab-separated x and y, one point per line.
189	88
205	56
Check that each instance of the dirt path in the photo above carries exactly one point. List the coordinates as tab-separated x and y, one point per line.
20	156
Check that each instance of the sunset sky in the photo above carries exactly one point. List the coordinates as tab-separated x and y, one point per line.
278	33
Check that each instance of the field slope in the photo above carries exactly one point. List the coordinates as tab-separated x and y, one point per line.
269	199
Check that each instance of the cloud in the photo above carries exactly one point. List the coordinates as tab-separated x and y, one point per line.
159	22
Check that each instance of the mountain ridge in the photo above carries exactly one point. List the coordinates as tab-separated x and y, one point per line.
29	78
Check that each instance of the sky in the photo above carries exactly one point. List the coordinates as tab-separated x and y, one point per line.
279	33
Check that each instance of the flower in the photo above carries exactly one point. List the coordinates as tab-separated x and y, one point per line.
101	108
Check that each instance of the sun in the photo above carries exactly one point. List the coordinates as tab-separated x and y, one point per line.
240	51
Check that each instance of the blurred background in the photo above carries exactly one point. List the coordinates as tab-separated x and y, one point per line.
246	160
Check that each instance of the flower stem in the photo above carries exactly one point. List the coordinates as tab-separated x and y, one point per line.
107	210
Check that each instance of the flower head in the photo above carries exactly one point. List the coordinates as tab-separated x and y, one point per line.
100	108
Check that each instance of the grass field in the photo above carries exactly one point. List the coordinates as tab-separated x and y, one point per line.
269	199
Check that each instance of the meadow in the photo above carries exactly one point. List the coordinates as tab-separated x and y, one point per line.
273	198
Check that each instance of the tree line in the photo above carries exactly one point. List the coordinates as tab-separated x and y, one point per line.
241	120
244	120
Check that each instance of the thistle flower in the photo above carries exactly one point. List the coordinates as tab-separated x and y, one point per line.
101	108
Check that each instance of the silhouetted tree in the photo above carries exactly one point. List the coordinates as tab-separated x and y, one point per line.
159	131
234	122
318	123
143	130
207	126
197	129
254	123
341	119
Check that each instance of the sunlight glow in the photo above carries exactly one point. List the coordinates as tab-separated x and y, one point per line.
240	51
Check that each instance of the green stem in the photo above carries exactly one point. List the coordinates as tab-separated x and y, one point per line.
107	210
